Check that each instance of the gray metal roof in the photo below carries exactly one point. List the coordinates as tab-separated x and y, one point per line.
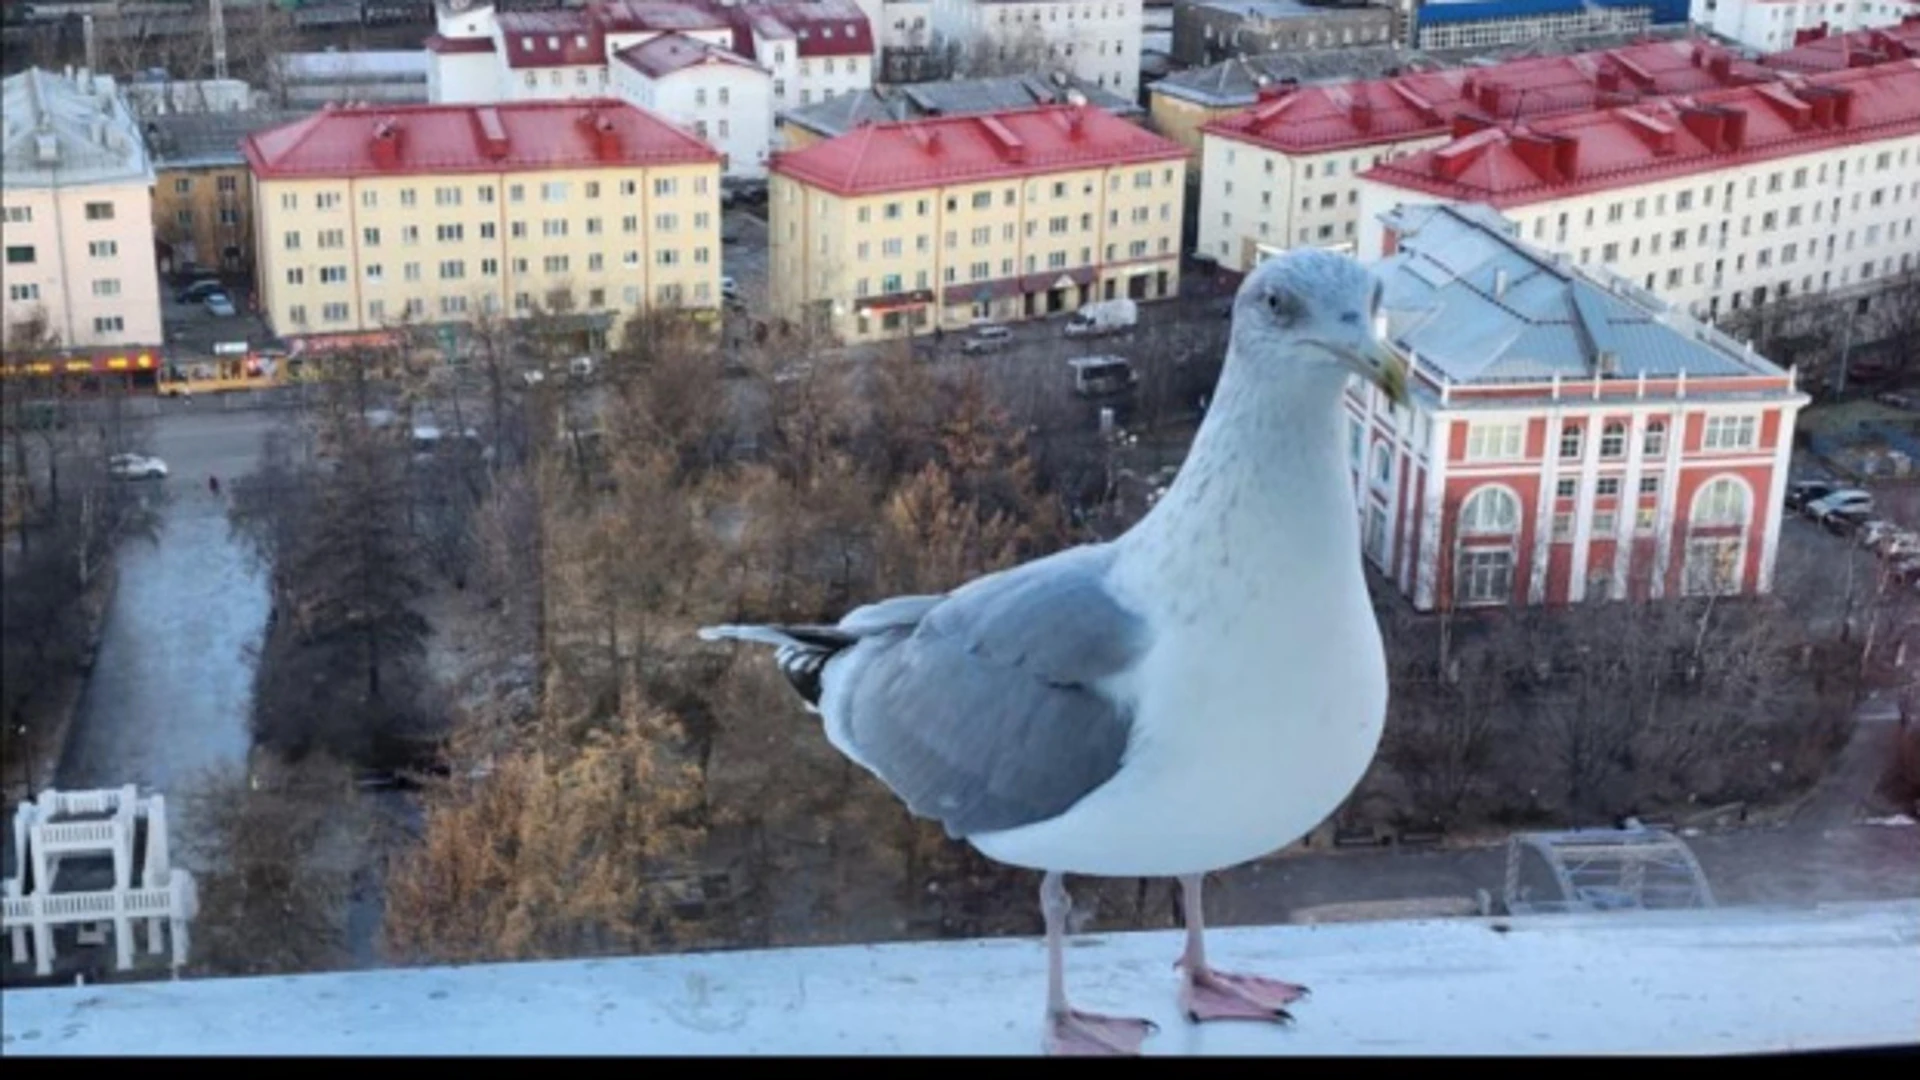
958	97
198	140
1476	303
1237	82
69	130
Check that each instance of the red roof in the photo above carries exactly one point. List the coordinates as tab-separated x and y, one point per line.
1820	51
447	46
577	37
1322	118
818	27
669	53
431	139
1576	154
916	154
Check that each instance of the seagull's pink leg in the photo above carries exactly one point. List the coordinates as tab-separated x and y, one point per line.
1070	1031
1206	994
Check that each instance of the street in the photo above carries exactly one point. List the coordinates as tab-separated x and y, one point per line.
170	688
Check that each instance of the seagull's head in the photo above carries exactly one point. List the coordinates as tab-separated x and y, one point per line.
1311	310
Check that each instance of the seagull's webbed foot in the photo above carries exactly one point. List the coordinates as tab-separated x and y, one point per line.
1073	1033
1206	994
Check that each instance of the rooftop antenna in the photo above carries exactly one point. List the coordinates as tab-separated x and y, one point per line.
217	25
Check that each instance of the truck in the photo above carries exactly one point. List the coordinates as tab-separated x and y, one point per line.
1103	317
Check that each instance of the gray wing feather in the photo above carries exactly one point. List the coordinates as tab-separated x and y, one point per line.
984	715
885	614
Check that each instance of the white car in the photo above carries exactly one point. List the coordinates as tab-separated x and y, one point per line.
1844	499
220	305
729	288
136	467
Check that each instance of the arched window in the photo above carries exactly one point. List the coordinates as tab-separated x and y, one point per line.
1655	443
1722	502
1490	511
1613	439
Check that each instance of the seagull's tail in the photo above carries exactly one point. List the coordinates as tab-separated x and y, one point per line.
801	651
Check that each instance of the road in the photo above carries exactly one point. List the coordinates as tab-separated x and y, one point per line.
171	686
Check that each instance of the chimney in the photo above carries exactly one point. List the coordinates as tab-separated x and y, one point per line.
606	138
1466	123
386	144
1362	112
1720	67
1707	124
1736	131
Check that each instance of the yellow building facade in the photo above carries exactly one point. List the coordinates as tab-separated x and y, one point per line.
634	228
896	229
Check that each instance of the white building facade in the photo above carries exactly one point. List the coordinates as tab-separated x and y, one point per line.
1714	203
1287	172
1095	40
1771	25
77	197
725	99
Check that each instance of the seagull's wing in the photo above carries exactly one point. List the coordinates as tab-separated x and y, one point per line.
995	709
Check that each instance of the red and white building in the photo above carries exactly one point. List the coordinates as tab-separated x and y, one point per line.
722	70
1568	436
1286	172
1715	200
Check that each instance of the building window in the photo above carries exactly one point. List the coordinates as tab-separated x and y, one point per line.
103	249
1607	487
109	324
665	186
99	211
331	238
1570	441
1722	502
1565	489
1729	433
292	241
1382	465
1490	511
1613	439
334	312
297	314
333	275
182	186
19	215
19	254
1495	441
1486	576
1563	527
1712	566
296	276
26	292
1655	442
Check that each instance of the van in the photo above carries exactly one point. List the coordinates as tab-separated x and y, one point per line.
1100	376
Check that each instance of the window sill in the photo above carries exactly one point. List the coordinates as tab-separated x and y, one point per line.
1730	980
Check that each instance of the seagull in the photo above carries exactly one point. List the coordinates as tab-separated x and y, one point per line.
1197	693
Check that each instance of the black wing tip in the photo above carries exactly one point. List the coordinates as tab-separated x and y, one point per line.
803	667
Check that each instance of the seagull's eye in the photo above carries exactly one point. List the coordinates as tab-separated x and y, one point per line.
1350	318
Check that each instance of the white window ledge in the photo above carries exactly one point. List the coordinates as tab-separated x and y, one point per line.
1731	980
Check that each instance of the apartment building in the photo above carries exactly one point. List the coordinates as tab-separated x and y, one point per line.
202	192
1568	437
76	192
903	227
727	100
1210	31
1713	201
950	97
1287	172
1095	40
434	214
1774	25
813	49
1817	50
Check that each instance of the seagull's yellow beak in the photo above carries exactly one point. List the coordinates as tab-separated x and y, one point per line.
1379	363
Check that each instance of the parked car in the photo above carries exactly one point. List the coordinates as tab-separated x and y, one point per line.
729	288
533	377
221	304
1873	531
580	367
199	290
1845	498
986	339
1906	571
136	467
1846	520
1806	491
1898	399
1900	545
